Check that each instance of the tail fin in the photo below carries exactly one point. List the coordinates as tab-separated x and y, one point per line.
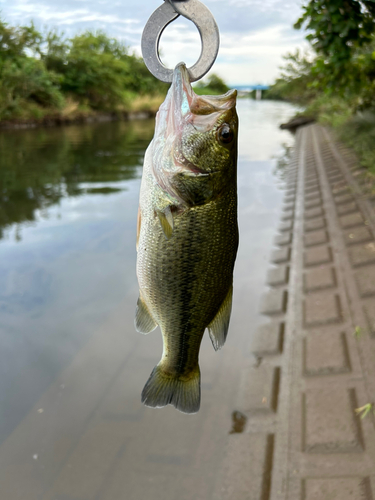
180	391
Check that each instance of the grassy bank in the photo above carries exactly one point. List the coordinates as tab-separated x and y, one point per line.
47	77
143	106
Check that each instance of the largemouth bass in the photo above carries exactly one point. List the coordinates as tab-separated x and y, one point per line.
187	236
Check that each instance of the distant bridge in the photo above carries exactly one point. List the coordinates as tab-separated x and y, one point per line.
246	89
249	88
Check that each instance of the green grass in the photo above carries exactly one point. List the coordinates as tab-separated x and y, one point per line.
358	133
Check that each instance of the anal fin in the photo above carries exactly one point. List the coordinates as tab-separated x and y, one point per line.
218	328
144	322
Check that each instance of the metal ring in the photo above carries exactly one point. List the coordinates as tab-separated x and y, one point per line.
200	15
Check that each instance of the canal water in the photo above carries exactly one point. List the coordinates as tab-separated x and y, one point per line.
72	367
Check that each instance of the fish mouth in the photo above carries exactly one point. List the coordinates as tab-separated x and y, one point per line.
182	96
185	100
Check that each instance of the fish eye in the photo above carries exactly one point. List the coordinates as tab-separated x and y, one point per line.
225	134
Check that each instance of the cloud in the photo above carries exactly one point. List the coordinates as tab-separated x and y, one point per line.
254	33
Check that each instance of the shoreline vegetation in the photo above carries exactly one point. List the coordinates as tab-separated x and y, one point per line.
334	80
49	79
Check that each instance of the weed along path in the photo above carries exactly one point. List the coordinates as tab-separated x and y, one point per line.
314	375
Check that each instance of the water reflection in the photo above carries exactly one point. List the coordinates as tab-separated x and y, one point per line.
283	160
67	297
40	167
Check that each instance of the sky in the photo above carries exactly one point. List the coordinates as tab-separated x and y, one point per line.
254	34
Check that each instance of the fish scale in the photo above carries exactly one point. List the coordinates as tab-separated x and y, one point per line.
187	246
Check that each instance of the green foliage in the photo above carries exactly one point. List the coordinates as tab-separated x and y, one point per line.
25	82
359	133
330	110
15	41
338	27
213	86
38	72
365	410
358	332
96	70
342	34
296	82
342	64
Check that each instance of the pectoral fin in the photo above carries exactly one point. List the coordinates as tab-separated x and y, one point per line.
218	328
144	322
166	221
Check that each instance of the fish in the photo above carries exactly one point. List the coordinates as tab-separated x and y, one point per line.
187	236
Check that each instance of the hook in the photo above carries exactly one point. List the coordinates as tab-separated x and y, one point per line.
196	12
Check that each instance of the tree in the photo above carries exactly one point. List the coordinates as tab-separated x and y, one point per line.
338	27
342	32
213	85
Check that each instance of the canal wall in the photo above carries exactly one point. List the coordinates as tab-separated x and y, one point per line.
313	367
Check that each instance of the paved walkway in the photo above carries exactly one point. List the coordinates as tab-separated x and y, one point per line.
316	357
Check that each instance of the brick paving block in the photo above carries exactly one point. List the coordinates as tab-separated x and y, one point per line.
313	203
288	215
314	212
335	178
280	255
369	309
247	471
312	196
351	220
274	302
343	198
268	339
333	172
331	425
283	239
315	238
314	182
278	276
317	255
361	255
259	390
288	206
357	235
291	192
326	353
290	199
340	190
312	191
337	488
286	226
347	208
319	279
365	279
313	224
334	175
322	309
